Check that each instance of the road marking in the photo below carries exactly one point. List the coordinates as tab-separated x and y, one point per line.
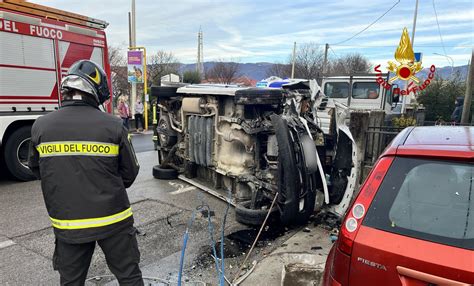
6	243
183	190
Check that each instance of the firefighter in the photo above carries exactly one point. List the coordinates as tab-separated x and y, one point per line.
85	161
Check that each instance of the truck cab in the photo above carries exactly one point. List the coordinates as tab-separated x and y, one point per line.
359	92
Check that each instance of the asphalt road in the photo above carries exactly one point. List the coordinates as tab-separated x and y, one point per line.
162	210
142	142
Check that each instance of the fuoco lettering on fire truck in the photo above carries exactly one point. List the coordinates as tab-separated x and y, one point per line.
46	32
8	26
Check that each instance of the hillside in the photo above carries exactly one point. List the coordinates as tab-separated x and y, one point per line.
258	71
255	71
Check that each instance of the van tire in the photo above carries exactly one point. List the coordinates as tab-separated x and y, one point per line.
14	149
168	136
245	215
162	173
288	187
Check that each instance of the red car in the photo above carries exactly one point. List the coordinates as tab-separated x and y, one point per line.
413	220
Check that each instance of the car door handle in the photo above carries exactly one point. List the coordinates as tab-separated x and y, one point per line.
425	277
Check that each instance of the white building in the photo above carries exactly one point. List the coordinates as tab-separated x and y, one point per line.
170	79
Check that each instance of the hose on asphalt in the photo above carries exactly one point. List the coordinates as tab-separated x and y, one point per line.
210	228
256	239
185	242
201	207
222	273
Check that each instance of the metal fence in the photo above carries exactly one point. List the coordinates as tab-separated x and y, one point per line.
377	138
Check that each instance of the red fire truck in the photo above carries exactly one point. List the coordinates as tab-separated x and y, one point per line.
37	46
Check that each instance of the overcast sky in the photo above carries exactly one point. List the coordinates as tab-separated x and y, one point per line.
264	30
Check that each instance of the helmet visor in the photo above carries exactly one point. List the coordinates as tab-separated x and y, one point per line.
78	83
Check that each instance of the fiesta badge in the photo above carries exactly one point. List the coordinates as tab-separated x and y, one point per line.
405	68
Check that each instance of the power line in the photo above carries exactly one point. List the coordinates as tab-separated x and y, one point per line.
370	25
391	46
439	30
334	53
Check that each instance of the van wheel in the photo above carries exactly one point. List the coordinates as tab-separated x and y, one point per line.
166	135
244	214
16	154
289	184
162	173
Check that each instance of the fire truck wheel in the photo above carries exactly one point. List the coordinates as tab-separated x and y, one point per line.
244	214
162	173
16	154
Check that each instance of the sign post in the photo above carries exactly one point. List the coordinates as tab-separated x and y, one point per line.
135	66
137	73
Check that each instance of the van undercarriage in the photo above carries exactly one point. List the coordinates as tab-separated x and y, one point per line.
254	143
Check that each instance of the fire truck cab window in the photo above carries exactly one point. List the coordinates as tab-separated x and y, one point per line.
336	89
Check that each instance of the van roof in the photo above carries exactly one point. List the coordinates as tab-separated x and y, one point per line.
356	75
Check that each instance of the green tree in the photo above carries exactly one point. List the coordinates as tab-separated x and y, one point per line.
438	98
192	77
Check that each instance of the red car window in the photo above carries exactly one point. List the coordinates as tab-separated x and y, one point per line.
426	199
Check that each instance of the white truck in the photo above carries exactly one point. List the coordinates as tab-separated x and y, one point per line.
360	91
37	46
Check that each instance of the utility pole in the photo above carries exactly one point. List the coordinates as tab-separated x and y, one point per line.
404	98
414	24
325	63
133	44
200	63
294	60
198	59
130	29
468	97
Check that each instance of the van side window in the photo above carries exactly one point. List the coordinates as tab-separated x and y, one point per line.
336	89
365	90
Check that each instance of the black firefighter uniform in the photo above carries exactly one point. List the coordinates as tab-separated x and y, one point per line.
85	161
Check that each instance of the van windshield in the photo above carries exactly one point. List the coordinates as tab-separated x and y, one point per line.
426	199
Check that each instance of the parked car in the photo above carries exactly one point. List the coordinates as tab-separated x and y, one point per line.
412	222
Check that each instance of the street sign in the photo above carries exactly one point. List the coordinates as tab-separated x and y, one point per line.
135	66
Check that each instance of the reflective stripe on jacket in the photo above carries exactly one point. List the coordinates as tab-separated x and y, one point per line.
85	161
